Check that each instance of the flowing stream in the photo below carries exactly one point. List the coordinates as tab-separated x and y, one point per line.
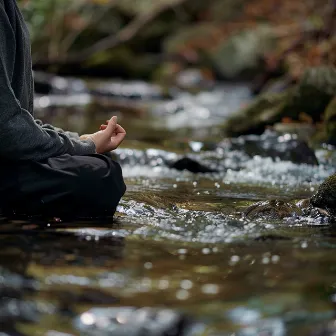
180	240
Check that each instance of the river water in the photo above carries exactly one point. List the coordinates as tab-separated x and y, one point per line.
179	240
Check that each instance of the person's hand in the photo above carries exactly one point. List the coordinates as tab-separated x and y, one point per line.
108	138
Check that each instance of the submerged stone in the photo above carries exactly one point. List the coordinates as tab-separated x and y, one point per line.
325	197
273	209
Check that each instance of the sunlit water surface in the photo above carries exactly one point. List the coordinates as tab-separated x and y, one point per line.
179	240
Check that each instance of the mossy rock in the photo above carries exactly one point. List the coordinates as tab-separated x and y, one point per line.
265	110
330	121
311	95
325	197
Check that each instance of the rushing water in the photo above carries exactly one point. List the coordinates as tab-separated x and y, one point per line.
179	240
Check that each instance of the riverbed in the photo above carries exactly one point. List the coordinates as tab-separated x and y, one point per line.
179	240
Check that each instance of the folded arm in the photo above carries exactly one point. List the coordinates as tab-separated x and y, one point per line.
21	138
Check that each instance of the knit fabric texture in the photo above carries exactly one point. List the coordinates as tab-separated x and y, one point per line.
22	137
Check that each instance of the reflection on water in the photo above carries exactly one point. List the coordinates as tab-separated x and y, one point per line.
179	245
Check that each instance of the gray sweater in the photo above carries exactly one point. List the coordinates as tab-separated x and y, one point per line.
22	137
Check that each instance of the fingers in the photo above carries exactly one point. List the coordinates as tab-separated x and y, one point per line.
111	126
118	139
118	128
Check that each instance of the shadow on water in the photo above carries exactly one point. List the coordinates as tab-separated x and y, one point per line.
179	241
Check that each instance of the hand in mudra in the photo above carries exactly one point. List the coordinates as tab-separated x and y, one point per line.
108	138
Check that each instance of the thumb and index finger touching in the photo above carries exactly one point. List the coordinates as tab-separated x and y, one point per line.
114	130
111	126
116	127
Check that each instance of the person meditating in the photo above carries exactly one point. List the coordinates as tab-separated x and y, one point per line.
45	170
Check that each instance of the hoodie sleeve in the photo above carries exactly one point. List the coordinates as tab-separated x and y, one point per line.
21	138
71	135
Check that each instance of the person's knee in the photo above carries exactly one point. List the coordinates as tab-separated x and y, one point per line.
103	185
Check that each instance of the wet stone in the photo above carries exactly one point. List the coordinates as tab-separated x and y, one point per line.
273	209
192	166
286	147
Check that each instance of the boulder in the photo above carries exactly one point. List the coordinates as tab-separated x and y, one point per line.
310	96
265	110
325	197
286	147
313	93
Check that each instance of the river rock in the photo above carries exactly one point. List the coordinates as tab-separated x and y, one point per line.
285	147
311	95
191	165
263	111
242	51
272	209
330	122
325	197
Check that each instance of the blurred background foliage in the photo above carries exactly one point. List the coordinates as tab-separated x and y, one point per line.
228	39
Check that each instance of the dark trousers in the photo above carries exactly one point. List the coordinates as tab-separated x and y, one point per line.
74	186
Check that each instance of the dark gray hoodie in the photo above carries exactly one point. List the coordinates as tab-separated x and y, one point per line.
21	137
